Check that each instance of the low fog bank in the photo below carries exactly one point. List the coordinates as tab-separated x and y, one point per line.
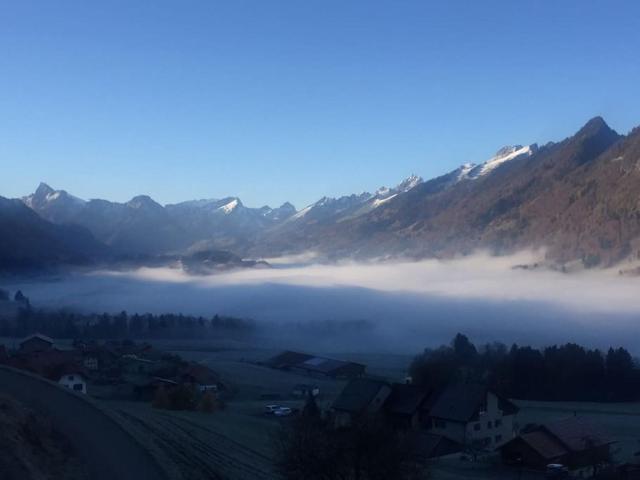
399	307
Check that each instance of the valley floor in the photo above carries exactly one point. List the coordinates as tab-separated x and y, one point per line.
236	442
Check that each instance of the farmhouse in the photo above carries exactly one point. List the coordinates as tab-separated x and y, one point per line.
573	442
472	415
316	366
36	343
201	377
360	396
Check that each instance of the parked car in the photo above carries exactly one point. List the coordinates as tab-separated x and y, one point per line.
556	471
283	412
271	409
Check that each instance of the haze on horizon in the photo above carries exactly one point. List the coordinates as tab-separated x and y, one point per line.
300	101
394	306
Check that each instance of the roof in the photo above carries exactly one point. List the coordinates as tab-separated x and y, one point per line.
38	336
358	395
314	363
577	433
71	369
430	445
406	399
459	402
201	374
288	358
547	446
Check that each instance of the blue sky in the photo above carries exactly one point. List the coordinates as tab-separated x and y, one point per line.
293	100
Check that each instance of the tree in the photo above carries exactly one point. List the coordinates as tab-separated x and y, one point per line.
208	403
161	398
20	298
311	409
369	449
465	350
182	398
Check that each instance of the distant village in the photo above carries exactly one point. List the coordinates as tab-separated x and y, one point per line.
116	370
446	416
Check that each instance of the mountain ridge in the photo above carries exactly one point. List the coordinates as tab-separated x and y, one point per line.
575	198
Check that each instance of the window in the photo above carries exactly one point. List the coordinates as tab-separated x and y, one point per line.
77	387
71	378
476	427
498	438
497	423
489	424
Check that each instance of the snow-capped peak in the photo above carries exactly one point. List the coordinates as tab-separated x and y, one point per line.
44	195
230	207
383	192
472	171
409	183
404	186
504	155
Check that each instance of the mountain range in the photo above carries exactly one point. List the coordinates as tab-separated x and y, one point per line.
577	199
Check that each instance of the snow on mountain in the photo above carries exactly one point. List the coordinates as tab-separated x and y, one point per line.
408	183
227	208
44	195
473	171
379	201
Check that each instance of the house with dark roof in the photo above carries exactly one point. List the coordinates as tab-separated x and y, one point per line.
201	377
36	343
472	415
361	396
408	405
573	442
316	366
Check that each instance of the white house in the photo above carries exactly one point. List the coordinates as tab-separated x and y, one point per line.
74	381
474	416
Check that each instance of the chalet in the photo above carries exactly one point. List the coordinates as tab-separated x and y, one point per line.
73	380
361	396
36	343
95	358
203	378
472	415
573	442
316	366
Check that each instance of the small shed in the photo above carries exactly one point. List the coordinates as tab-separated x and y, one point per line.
74	380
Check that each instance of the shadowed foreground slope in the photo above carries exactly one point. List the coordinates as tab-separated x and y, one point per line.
104	447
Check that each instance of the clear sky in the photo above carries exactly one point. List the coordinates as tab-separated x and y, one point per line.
292	100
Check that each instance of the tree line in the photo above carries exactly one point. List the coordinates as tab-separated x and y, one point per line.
69	324
567	372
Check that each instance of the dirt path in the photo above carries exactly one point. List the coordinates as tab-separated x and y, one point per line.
108	451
